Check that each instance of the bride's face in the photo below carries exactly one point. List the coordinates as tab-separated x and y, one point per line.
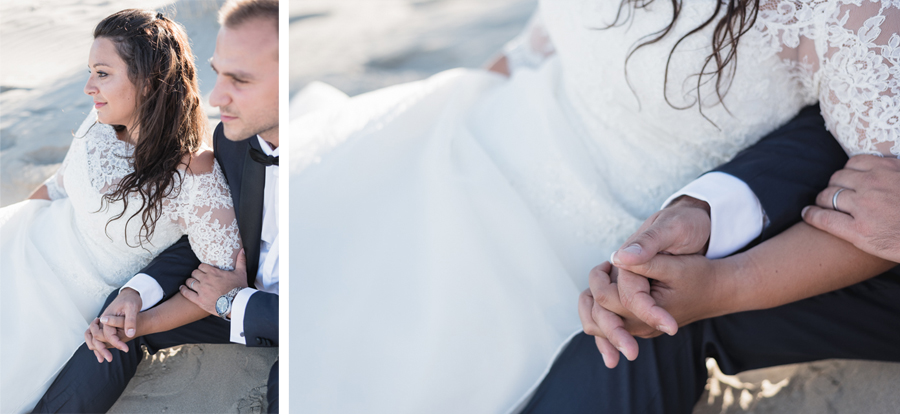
109	86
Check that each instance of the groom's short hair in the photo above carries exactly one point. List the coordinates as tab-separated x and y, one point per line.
236	12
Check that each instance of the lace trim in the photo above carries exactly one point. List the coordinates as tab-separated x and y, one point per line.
108	158
202	207
856	73
205	212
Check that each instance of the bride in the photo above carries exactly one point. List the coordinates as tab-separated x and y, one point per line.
137	177
444	228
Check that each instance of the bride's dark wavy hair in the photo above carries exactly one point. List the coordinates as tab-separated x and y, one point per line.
170	122
739	18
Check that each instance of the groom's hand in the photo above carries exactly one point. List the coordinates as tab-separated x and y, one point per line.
603	316
691	287
97	341
682	228
868	212
208	283
127	304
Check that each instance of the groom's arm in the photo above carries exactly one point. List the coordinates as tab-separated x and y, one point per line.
256	320
753	197
788	168
160	279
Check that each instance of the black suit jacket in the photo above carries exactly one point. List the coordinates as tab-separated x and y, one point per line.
174	265
788	168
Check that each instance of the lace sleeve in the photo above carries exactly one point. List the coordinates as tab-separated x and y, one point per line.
859	84
531	47
55	187
206	214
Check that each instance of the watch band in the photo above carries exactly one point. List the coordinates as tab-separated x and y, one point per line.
229	299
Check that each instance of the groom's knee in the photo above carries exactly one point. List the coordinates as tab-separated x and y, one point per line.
272	392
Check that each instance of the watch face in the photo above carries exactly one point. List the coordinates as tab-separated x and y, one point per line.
221	305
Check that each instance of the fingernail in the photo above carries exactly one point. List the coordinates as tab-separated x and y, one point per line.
130	332
633	249
803	212
612	259
665	329
104	319
605	361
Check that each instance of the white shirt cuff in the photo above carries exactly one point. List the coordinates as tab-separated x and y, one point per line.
736	215
238	306
151	292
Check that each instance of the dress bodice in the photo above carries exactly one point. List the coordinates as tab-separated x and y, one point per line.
843	53
200	206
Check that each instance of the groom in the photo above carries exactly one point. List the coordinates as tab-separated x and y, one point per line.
752	198
243	302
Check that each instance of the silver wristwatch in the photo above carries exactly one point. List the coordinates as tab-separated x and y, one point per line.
223	304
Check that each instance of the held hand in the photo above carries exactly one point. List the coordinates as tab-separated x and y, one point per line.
96	340
208	283
868	207
127	304
685	289
603	316
681	228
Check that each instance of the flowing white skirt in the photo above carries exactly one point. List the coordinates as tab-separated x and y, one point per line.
441	232
47	299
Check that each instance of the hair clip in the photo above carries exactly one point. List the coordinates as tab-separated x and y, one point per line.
160	16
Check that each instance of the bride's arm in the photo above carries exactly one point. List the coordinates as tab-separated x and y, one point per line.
40	193
53	188
529	49
204	210
175	312
797	264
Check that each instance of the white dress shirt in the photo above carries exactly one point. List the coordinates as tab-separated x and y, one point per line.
736	215
267	274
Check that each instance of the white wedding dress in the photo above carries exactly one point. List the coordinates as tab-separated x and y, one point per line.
60	259
442	230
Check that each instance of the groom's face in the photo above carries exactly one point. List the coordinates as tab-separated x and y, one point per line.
246	91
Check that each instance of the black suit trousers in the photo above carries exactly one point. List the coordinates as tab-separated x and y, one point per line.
669	374
86	386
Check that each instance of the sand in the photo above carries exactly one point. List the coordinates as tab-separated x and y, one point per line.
337	42
44	47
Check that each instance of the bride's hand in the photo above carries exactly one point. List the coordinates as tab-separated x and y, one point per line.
128	305
682	228
685	289
603	316
97	340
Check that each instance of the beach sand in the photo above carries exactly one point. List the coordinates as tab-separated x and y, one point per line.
44	47
337	42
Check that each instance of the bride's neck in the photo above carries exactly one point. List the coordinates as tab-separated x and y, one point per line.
127	135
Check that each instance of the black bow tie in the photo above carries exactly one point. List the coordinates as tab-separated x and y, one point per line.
261	158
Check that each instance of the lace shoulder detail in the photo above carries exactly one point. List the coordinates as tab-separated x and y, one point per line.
848	53
860	81
109	159
204	210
